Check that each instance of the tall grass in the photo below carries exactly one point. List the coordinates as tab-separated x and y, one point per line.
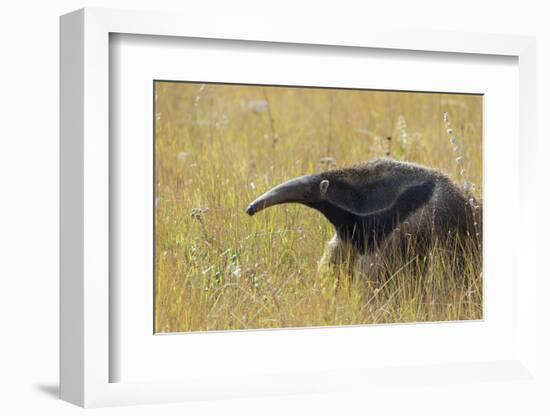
217	147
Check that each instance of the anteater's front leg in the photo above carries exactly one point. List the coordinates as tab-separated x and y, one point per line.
342	256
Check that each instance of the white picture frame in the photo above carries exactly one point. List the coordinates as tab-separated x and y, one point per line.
86	355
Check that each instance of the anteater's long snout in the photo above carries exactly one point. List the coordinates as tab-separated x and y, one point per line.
297	190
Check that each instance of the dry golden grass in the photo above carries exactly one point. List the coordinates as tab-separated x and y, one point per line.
217	147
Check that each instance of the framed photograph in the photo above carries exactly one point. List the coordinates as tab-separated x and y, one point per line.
268	213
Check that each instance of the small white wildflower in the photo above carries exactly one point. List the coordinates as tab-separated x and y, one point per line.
198	213
402	127
198	96
224	120
258	106
207	270
459	159
327	162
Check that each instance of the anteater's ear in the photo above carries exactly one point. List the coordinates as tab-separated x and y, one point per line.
323	186
367	199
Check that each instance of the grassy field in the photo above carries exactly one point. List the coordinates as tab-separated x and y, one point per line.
218	147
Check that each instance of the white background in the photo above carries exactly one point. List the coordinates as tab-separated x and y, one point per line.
29	183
